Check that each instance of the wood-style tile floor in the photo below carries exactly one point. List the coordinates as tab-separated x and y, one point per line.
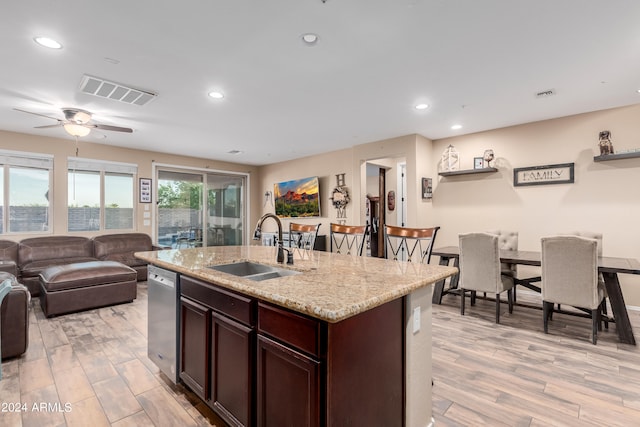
512	374
91	369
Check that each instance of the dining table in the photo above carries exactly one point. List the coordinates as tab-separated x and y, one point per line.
609	267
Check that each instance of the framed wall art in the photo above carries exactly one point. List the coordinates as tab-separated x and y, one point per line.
478	163
427	188
543	175
145	190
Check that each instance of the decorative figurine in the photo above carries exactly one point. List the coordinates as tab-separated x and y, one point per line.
606	147
488	156
450	159
391	200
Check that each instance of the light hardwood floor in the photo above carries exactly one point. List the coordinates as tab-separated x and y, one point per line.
95	363
510	374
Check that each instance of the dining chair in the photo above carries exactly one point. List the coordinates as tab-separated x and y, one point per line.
570	276
303	236
480	270
508	240
598	237
409	244
347	239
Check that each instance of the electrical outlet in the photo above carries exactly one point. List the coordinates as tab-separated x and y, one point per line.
416	320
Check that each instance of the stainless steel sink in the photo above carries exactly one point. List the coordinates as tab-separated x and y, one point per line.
253	270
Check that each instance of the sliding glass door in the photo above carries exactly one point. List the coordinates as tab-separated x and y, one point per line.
225	209
200	209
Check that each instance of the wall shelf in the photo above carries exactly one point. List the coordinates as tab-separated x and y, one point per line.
469	171
604	158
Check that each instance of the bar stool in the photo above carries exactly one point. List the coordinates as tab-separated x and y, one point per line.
409	244
303	236
347	239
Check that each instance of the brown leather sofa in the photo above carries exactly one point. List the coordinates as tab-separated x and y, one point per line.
28	258
36	254
14	318
25	260
9	257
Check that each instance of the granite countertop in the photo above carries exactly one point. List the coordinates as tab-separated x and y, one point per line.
332	287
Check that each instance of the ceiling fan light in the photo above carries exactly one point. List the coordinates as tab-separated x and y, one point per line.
76	130
81	117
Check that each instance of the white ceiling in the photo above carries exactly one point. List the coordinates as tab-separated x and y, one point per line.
476	63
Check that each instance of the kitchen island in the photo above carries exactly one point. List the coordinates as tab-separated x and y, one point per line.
345	341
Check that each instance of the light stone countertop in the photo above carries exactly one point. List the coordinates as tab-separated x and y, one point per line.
332	287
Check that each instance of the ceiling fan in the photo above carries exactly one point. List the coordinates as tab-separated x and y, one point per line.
77	122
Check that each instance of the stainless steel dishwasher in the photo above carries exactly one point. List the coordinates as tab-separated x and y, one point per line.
164	294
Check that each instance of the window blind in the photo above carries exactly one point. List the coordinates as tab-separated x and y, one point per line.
29	160
78	163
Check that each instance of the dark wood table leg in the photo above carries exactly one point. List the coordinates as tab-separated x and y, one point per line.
623	325
438	288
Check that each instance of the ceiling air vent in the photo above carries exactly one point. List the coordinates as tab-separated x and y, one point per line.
105	89
546	93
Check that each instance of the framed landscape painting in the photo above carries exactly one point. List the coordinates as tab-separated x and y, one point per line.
298	198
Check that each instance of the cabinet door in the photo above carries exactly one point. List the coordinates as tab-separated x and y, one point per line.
194	346
231	370
287	387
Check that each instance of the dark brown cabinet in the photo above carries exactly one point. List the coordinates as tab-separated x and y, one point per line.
217	348
231	369
255	363
288	373
194	333
288	386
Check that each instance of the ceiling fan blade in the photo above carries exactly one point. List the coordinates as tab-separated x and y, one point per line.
36	114
113	128
47	126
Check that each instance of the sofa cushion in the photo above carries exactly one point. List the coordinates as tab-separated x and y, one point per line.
80	275
8	251
32	269
121	247
53	248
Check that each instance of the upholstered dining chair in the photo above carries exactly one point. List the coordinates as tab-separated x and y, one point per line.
409	244
347	239
570	276
480	269
507	240
303	236
598	237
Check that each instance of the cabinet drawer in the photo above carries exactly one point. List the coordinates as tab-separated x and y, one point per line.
301	332
236	306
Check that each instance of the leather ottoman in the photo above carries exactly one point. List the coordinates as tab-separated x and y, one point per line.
86	285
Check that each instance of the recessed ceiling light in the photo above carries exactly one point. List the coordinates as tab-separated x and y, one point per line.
47	42
456	127
235	152
310	39
216	95
422	106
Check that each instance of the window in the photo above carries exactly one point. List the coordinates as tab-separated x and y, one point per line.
100	195
24	192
